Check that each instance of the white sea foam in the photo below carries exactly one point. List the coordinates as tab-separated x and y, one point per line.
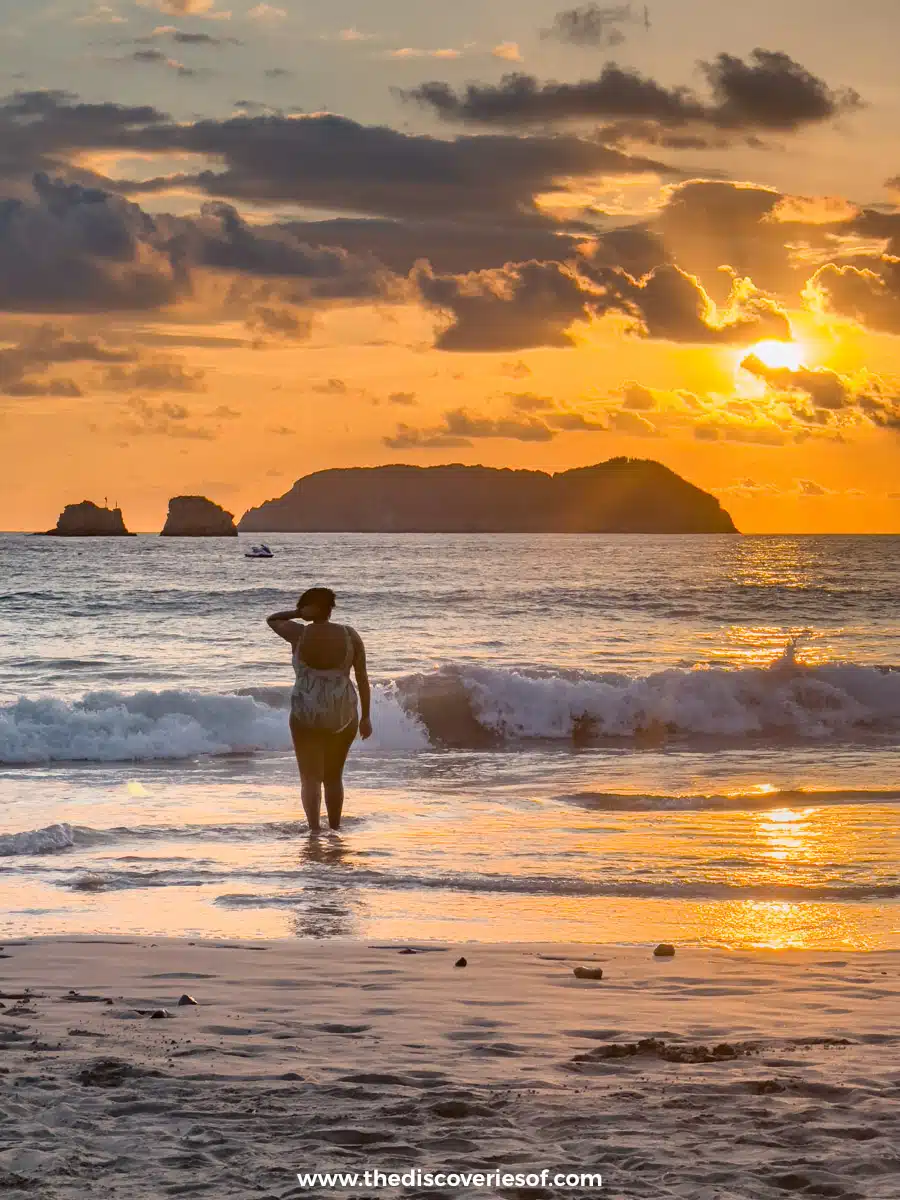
119	727
786	699
463	705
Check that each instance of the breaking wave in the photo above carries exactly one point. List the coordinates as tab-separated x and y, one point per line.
142	726
472	707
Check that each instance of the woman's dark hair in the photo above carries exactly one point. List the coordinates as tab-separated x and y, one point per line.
322	598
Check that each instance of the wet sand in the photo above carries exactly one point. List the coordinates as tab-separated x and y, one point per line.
710	1076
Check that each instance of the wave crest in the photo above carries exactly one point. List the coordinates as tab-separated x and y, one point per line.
471	706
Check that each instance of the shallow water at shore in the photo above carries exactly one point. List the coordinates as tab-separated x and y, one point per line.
607	739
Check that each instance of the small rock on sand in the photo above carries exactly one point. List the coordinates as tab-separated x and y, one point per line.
186	999
664	950
588	972
461	962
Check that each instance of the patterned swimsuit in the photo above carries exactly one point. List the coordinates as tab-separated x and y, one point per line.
324	700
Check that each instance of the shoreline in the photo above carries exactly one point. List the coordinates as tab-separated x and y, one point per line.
714	1074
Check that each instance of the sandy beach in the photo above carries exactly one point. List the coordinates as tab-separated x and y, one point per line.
711	1075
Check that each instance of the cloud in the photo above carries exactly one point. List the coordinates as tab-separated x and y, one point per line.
78	249
318	161
412	52
516	369
630	423
638	398
591	25
808	487
523	305
101	14
24	367
166	419
459	427
769	93
508	52
181	8
868	294
157	58
672	305
535	303
75	249
833	399
280	322
159	376
183	38
267	13
405	399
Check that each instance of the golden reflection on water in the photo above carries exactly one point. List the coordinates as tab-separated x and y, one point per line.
788	835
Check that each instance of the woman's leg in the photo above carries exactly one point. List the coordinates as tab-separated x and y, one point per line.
309	747
336	750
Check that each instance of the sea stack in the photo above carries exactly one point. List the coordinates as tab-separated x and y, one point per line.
89	520
195	516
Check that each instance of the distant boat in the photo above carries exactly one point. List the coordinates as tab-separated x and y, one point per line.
260	551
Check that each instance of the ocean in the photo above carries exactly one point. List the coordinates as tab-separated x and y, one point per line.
593	739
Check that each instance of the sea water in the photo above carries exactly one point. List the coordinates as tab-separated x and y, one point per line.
581	738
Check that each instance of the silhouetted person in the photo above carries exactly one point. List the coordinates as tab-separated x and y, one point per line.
325	716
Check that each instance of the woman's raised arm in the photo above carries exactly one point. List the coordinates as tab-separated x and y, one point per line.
285	625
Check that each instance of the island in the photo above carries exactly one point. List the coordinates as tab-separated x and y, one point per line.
89	520
196	516
622	495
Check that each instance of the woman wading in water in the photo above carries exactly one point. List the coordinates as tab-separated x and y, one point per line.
325	716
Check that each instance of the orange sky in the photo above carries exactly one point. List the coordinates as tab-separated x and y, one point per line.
413	283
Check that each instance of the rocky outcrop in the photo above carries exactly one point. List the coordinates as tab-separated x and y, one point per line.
623	495
89	520
195	516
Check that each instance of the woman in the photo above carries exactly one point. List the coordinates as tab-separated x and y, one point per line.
324	716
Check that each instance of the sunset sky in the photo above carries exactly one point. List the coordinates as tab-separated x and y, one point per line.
242	242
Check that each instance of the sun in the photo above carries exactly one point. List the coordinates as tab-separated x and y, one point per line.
780	355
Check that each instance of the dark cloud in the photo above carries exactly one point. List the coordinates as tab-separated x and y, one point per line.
331	162
768	93
671	305
450	246
72	248
524	305
591	25
868	294
825	388
772	92
405	399
43	131
536	303
24	367
78	249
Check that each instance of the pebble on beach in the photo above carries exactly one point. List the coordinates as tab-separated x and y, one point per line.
588	972
664	950
186	999
461	962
